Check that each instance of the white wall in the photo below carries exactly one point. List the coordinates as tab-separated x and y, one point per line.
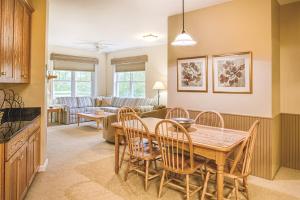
100	87
156	68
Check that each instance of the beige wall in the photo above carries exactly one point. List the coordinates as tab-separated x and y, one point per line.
289	58
100	80
156	68
236	26
34	93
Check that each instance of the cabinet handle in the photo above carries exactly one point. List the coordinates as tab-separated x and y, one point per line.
3	73
23	76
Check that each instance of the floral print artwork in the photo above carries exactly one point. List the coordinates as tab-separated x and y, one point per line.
231	73
191	74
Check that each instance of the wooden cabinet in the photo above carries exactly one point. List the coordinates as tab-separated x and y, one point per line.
15	29
33	156
21	162
16	175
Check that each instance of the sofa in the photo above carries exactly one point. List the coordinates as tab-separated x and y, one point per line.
73	105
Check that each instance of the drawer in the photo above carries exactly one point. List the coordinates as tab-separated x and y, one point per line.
15	143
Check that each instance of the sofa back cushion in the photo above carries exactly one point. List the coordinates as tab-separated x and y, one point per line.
69	101
130	102
84	102
145	102
118	101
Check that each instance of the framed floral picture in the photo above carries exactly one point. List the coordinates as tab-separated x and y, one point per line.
192	74
232	73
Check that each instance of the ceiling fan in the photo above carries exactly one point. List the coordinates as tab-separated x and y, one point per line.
97	46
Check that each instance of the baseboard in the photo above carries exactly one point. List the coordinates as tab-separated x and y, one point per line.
43	167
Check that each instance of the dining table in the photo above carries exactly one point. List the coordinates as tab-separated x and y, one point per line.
210	142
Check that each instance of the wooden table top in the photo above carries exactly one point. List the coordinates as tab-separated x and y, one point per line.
95	116
204	136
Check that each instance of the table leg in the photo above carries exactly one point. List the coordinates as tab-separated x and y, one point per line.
117	151
58	115
97	122
78	120
220	175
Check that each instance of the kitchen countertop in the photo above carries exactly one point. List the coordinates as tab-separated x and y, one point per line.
15	120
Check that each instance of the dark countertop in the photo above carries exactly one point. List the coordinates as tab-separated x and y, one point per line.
15	120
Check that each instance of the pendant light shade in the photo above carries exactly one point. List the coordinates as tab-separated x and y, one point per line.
183	39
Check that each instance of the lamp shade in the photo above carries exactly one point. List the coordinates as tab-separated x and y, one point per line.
184	39
158	85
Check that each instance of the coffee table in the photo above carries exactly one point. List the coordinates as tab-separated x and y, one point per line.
93	117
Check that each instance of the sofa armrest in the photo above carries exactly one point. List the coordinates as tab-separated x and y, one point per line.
160	113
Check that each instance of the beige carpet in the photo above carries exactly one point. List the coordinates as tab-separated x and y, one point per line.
81	168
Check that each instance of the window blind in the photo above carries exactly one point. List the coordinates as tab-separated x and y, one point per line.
130	67
73	63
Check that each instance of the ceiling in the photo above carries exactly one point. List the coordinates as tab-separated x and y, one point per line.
120	23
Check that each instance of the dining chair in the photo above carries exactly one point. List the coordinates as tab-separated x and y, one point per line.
237	169
121	112
177	113
177	153
136	131
210	118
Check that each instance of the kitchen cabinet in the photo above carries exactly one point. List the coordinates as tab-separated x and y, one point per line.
15	40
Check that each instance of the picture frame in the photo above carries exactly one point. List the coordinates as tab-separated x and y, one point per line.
192	74
232	73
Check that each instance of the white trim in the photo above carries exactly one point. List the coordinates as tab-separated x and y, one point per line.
43	167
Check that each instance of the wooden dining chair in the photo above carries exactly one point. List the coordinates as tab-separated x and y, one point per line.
177	153
121	112
177	113
210	118
135	131
237	169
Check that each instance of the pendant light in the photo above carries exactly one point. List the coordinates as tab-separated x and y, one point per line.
183	39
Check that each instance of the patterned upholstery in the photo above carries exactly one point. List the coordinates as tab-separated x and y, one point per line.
68	101
74	111
110	109
74	105
85	102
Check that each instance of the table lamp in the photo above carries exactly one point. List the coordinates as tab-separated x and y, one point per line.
158	85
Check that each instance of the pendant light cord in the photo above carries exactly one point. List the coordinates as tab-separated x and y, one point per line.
183	28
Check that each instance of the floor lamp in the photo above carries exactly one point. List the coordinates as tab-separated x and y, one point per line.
158	85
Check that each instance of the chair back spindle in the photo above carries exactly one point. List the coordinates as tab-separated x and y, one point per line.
210	118
245	152
124	110
175	145
135	131
177	113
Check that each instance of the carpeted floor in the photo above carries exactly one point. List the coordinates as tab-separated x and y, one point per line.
81	167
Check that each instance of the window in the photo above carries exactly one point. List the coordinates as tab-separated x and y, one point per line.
130	84
73	83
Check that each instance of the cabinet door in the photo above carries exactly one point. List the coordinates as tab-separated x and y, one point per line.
16	175
22	171
6	41
25	71
11	177
37	151
18	39
30	159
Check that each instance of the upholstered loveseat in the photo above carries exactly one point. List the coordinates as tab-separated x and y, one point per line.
73	105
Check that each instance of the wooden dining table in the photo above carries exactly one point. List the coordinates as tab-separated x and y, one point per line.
210	142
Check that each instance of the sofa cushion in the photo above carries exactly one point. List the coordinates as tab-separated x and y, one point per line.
106	101
69	101
92	109
145	102
98	101
130	102
118	102
142	109
74	111
110	109
84	102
